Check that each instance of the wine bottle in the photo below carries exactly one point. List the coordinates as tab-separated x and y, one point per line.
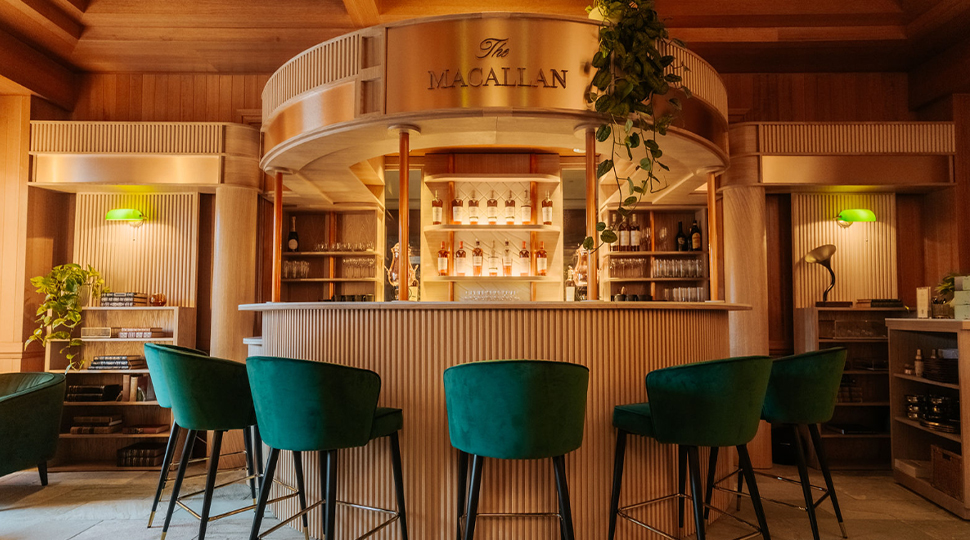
473	209
507	260
293	239
461	260
614	246
635	236
541	261
436	209
525	261
525	211
695	237
493	260
443	257
681	238
457	210
570	287
491	209
547	210
477	258
624	234
510	209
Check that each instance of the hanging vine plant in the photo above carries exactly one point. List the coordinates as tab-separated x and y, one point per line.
630	71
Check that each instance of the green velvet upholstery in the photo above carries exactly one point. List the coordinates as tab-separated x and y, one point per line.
207	393
155	370
634	418
308	406
716	403
804	388
516	409
30	418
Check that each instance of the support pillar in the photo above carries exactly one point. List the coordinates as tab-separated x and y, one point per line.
961	176
404	149
592	286
14	166
233	270
277	238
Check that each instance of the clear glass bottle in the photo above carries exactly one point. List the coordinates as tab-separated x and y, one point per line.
918	363
473	215
461	260
443	256
507	260
525	261
542	265
525	210
570	286
478	259
437	207
493	262
510	209
547	210
491	209
457	210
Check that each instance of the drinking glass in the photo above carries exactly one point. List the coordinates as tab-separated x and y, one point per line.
662	237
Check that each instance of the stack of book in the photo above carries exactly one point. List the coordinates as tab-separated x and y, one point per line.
141	333
92	392
879	303
118	361
146	429
124	299
91	425
136	388
143	454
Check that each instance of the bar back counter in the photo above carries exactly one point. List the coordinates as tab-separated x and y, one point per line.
410	344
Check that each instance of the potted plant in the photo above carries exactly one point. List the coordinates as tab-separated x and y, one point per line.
66	289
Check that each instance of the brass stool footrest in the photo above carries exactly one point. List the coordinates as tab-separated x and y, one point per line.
621	512
396	516
815	504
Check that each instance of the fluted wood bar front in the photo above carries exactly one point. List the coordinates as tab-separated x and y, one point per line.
410	344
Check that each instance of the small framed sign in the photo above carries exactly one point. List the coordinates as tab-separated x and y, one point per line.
922	302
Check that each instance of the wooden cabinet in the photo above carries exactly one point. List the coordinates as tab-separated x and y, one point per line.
913	441
98	451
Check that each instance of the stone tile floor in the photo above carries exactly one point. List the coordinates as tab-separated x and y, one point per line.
115	506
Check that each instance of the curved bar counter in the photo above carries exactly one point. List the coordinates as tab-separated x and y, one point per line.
410	344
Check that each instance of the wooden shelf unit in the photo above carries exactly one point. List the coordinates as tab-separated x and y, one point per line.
862	331
328	277
910	439
96	452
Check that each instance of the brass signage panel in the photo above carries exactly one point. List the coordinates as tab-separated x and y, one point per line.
490	62
175	170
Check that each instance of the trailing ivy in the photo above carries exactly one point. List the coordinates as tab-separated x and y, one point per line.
630	71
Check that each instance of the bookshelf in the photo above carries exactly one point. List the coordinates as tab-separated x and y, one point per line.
93	452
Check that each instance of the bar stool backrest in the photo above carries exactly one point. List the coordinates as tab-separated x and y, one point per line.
155	370
516	409
312	406
207	393
716	403
805	387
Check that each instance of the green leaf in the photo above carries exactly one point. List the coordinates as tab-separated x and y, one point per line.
629	125
630	201
646	163
675	103
604	167
588	243
656	153
634	140
600	226
672	77
602	79
662	166
603	132
608	236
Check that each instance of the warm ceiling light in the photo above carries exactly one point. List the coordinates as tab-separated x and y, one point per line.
848	217
133	217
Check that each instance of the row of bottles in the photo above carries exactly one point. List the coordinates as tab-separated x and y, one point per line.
492	264
472	215
691	243
630	236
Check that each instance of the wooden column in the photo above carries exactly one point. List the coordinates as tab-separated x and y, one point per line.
592	288
961	174
277	237
15	134
233	270
746	282
404	150
714	252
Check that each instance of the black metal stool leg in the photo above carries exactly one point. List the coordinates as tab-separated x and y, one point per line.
210	483
617	480
681	483
250	468
471	511
817	443
42	471
696	486
562	488
331	522
300	489
740	489
805	480
177	486
166	465
462	487
324	458
264	490
399	483
747	470
711	478
258	449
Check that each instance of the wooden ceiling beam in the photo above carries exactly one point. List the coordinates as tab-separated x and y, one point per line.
940	26
940	76
50	17
38	73
364	13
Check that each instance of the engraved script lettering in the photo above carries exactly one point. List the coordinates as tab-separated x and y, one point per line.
494	48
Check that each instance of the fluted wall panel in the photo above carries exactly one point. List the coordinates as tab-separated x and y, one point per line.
699	76
410	348
160	256
127	137
865	260
857	138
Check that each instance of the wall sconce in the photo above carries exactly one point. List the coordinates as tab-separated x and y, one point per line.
850	216
133	217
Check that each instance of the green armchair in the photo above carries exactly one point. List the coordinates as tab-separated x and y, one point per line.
30	419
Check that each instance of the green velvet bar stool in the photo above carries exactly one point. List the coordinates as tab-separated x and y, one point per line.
706	404
802	393
207	394
306	406
514	409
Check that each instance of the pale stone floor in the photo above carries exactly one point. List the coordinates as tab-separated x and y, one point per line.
115	506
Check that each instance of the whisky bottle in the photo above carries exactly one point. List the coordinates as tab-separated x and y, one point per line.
477	259
510	209
541	262
461	260
443	257
457	210
570	286
436	209
473	209
635	236
493	261
547	210
525	261
525	211
615	246
695	237
491	209
624	233
293	240
507	260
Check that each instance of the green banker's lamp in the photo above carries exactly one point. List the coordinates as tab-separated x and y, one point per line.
852	215
128	215
822	255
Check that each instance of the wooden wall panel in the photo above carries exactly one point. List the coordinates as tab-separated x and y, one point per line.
168	97
910	252
160	256
779	239
14	140
411	346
